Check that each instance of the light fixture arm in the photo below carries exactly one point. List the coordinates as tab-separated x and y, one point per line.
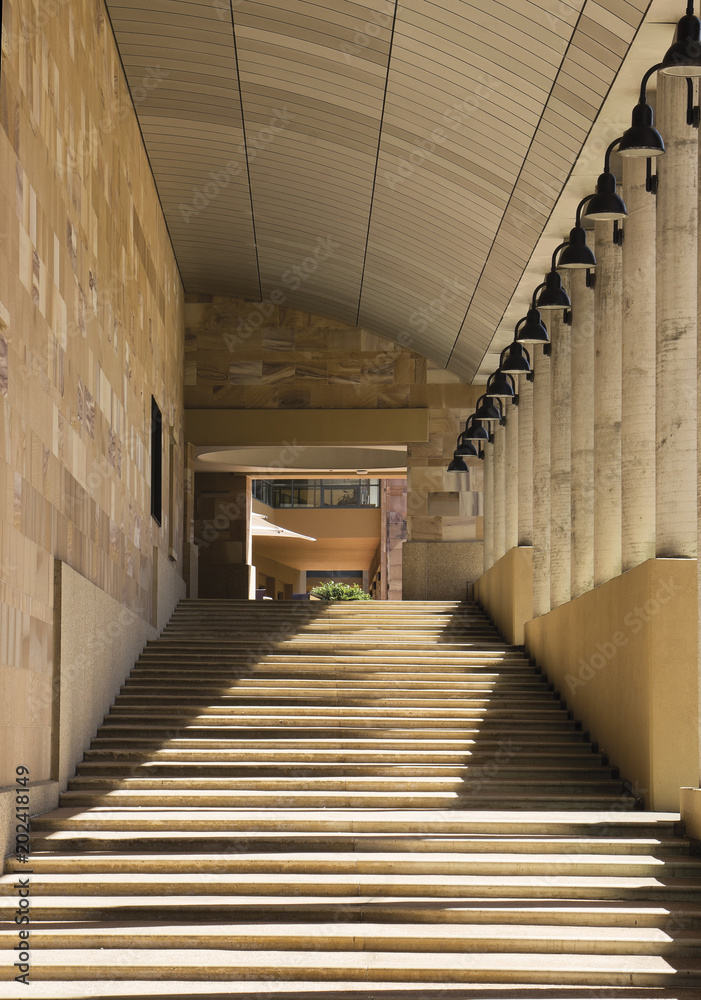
535	292
607	158
645	80
583	202
556	252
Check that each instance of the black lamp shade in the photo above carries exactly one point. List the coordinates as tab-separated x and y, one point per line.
683	58
475	429
457	464
500	385
534	330
606	205
577	254
488	411
515	360
642	138
466	447
553	295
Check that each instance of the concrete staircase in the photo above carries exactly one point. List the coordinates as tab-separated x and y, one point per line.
346	799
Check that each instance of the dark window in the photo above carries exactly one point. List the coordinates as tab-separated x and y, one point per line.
156	461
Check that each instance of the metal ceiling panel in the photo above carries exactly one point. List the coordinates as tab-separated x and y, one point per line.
386	163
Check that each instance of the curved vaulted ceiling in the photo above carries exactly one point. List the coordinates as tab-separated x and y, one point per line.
390	164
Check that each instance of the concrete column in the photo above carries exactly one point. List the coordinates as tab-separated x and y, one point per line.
638	384
525	462
607	407
499	492
541	483
488	506
560	464
582	434
511	470
677	277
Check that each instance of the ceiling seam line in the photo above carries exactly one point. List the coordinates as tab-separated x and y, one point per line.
566	181
143	142
377	162
245	148
516	182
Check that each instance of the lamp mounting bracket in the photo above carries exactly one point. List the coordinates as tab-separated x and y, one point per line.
547	350
650	178
693	111
591	278
530	377
567	317
618	234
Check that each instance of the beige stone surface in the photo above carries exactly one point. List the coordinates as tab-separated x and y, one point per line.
505	592
91	329
624	657
439	571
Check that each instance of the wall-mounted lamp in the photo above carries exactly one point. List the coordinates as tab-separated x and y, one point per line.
515	360
488	411
533	331
553	295
501	386
605	204
683	57
577	253
475	429
457	464
467	448
642	138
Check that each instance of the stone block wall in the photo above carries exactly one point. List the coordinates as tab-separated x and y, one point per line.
90	328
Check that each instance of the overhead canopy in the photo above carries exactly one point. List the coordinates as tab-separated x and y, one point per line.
386	165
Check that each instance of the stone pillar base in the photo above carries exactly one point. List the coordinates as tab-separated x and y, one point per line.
439	571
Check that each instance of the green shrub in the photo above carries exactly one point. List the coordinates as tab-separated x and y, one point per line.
340	592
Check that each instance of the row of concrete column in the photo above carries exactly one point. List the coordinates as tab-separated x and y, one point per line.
596	468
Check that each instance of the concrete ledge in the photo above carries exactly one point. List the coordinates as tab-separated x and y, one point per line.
624	657
43	796
439	571
505	592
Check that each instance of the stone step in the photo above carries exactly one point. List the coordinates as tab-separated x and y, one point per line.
534	798
358	843
374	937
672	916
495	865
218	965
349	723
552	753
344	740
613	821
578	756
546	712
468	784
209	770
307	699
142	685
148	890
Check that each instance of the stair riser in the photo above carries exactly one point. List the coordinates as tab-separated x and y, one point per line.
369	800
